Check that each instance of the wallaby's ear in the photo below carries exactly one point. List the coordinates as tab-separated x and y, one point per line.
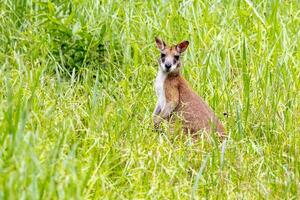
160	44
181	47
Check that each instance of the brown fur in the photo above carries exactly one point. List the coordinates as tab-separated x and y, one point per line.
195	113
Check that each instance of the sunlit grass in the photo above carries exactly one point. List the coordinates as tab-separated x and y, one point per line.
76	100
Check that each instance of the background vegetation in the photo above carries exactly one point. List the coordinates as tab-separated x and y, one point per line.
76	99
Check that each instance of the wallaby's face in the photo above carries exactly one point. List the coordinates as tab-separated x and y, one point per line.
169	60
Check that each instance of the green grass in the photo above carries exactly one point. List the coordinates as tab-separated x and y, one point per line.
76	99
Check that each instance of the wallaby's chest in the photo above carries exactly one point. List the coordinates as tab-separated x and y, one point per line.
159	87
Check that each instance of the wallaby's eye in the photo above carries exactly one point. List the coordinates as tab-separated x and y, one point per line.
176	57
162	55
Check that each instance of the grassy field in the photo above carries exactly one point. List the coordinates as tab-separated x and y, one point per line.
76	99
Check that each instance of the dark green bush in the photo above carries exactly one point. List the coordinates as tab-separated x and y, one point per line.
72	44
64	32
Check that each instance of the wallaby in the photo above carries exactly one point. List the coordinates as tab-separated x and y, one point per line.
175	96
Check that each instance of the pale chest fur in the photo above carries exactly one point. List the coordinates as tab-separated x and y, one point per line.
159	87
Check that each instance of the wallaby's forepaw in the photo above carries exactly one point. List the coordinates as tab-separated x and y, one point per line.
157	122
156	127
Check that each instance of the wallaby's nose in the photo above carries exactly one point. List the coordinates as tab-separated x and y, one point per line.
168	66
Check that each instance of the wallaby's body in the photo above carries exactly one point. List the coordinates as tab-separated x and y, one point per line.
175	96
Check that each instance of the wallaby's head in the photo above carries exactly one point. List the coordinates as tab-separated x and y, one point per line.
169	60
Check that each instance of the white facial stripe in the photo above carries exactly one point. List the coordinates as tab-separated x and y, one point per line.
169	59
173	68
